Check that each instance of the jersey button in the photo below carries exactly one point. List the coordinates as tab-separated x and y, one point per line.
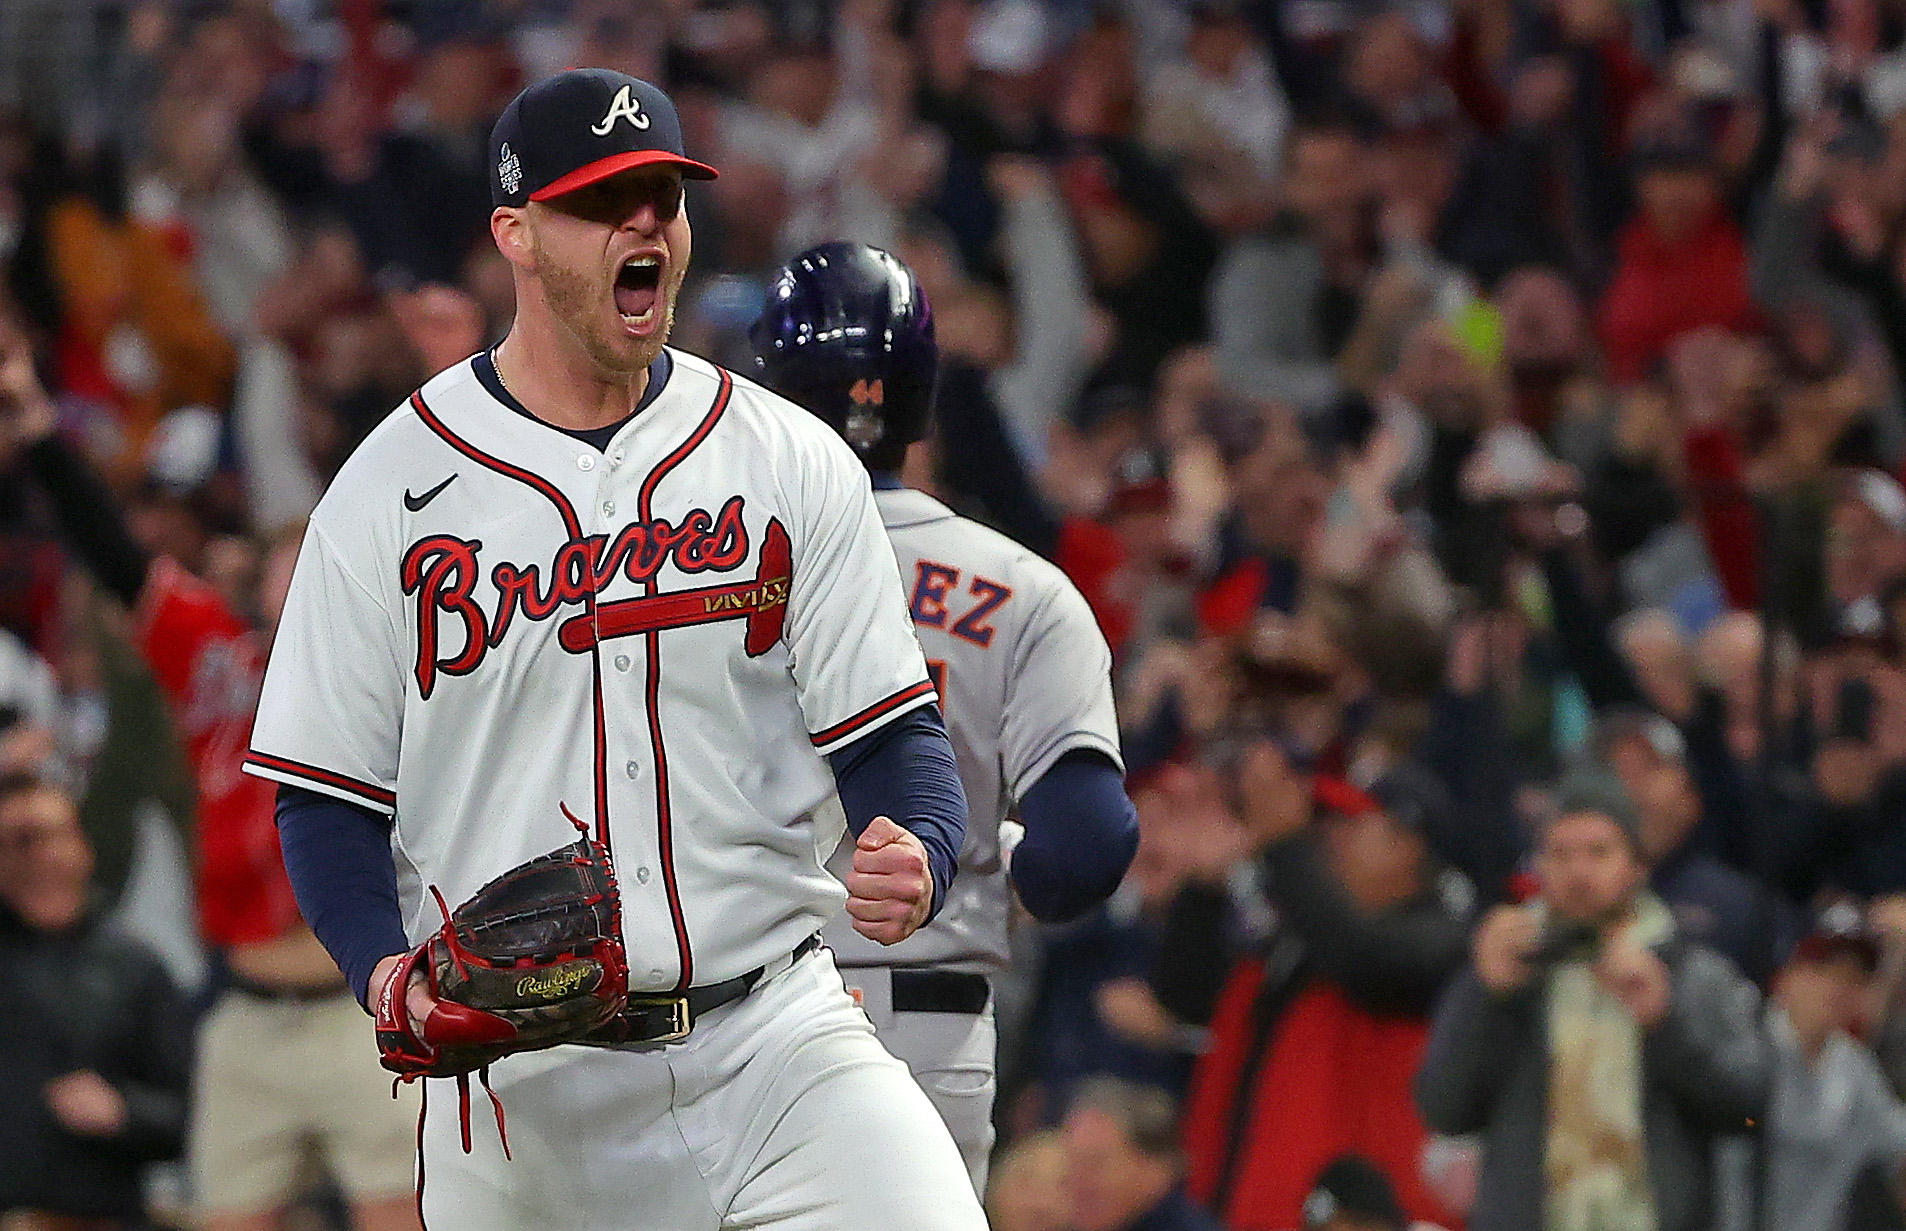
585	462
642	875
608	508
631	768
621	662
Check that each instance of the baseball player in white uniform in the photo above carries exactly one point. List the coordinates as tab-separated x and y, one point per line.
1023	673
583	571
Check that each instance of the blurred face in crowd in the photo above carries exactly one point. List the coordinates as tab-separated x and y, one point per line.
1109	1181
1676	201
1217	42
166	525
1389	65
1027	1191
606	262
1543	324
1437	374
1278	486
799	85
1325	174
457	84
753	201
1663	791
231	565
1864	553
1100	94
45	861
1824	996
1415	173
1378	861
1590	874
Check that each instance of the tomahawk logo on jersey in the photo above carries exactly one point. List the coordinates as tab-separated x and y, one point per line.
714	590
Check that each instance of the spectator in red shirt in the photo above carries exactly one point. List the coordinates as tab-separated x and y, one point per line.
1682	262
1318	1029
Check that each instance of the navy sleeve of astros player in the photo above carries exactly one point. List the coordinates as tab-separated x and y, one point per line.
906	771
1081	834
338	857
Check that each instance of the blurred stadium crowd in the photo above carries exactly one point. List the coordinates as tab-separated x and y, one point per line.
1464	417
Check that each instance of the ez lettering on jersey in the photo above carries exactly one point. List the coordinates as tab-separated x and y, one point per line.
934	583
442	571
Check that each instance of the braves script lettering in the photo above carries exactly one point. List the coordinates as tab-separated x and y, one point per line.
442	570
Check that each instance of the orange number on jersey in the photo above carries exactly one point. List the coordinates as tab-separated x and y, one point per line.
936	670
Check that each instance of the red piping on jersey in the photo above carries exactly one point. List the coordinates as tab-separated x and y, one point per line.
573	525
841	730
664	819
311	773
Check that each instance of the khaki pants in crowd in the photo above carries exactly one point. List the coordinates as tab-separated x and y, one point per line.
286	1086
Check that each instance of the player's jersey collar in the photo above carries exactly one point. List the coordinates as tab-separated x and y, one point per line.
903	506
483	364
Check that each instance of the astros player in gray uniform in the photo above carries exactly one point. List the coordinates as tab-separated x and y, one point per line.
1022	670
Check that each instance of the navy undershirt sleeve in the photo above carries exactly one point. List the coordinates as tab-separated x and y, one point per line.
1081	834
906	771
338	857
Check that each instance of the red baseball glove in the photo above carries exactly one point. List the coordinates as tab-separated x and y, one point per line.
533	959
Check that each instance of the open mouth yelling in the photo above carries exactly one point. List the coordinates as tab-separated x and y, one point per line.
638	291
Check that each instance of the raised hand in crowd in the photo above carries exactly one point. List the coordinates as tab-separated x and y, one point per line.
1506	941
27	413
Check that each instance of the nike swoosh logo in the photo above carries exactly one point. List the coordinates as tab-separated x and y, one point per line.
416	503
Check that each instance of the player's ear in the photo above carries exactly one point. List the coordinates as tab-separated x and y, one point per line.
510	228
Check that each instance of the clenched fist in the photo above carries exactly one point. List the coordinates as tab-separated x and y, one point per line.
890	889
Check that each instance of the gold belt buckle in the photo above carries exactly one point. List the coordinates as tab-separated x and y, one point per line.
677	1007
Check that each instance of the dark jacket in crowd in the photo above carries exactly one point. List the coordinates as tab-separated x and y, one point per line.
1726	910
87	999
1705	1071
1067	1039
1176	1212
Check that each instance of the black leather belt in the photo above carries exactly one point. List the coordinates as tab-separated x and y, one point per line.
284	994
668	1019
939	991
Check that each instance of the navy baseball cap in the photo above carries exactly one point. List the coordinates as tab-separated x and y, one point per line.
583	125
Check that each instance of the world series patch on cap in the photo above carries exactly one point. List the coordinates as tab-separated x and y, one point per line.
583	125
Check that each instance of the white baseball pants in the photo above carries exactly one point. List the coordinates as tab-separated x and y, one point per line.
952	1055
781	1111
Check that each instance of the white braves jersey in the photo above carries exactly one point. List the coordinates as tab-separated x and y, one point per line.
492	620
1024	677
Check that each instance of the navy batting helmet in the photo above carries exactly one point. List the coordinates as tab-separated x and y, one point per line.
846	332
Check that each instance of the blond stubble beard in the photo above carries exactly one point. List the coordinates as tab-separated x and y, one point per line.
575	299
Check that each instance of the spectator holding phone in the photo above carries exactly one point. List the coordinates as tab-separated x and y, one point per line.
1597	1052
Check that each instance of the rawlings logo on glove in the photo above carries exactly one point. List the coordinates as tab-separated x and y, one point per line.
533	959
